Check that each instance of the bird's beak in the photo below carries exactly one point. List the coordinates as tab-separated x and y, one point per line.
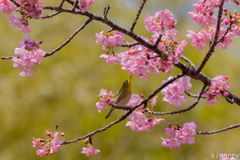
129	79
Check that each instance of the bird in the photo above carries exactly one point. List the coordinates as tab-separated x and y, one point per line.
123	95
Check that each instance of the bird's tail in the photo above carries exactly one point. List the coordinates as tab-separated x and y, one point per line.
109	113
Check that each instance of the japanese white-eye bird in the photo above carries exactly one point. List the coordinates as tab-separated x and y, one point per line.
123	95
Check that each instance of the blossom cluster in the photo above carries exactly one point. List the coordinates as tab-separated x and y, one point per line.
203	16
174	91
140	123
139	60
28	9
29	55
218	88
48	146
105	99
31	8
179	135
155	24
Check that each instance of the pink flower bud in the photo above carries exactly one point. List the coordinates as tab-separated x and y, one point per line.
142	95
226	21
48	134
225	9
233	16
62	134
233	25
226	77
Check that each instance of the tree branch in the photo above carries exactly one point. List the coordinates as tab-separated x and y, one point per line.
69	38
221	130
51	15
214	42
137	16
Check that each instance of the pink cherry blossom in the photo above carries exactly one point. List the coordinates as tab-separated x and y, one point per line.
153	102
15	21
41	153
189	128
134	126
135	100
170	131
177	100
172	143
25	29
171	34
138	117
26	72
90	150
101	38
37	143
144	128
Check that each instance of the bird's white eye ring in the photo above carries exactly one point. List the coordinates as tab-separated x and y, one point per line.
126	81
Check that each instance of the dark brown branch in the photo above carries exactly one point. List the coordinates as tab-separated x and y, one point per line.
137	16
6	58
221	130
69	38
158	40
182	110
214	42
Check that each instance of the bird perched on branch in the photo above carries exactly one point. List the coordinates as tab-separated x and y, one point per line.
123	95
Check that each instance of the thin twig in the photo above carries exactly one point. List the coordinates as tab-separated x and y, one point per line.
225	33
51	15
214	42
105	11
192	95
74	6
182	110
137	16
61	4
6	58
69	38
221	130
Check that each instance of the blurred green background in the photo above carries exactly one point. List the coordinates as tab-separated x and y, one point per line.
64	88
